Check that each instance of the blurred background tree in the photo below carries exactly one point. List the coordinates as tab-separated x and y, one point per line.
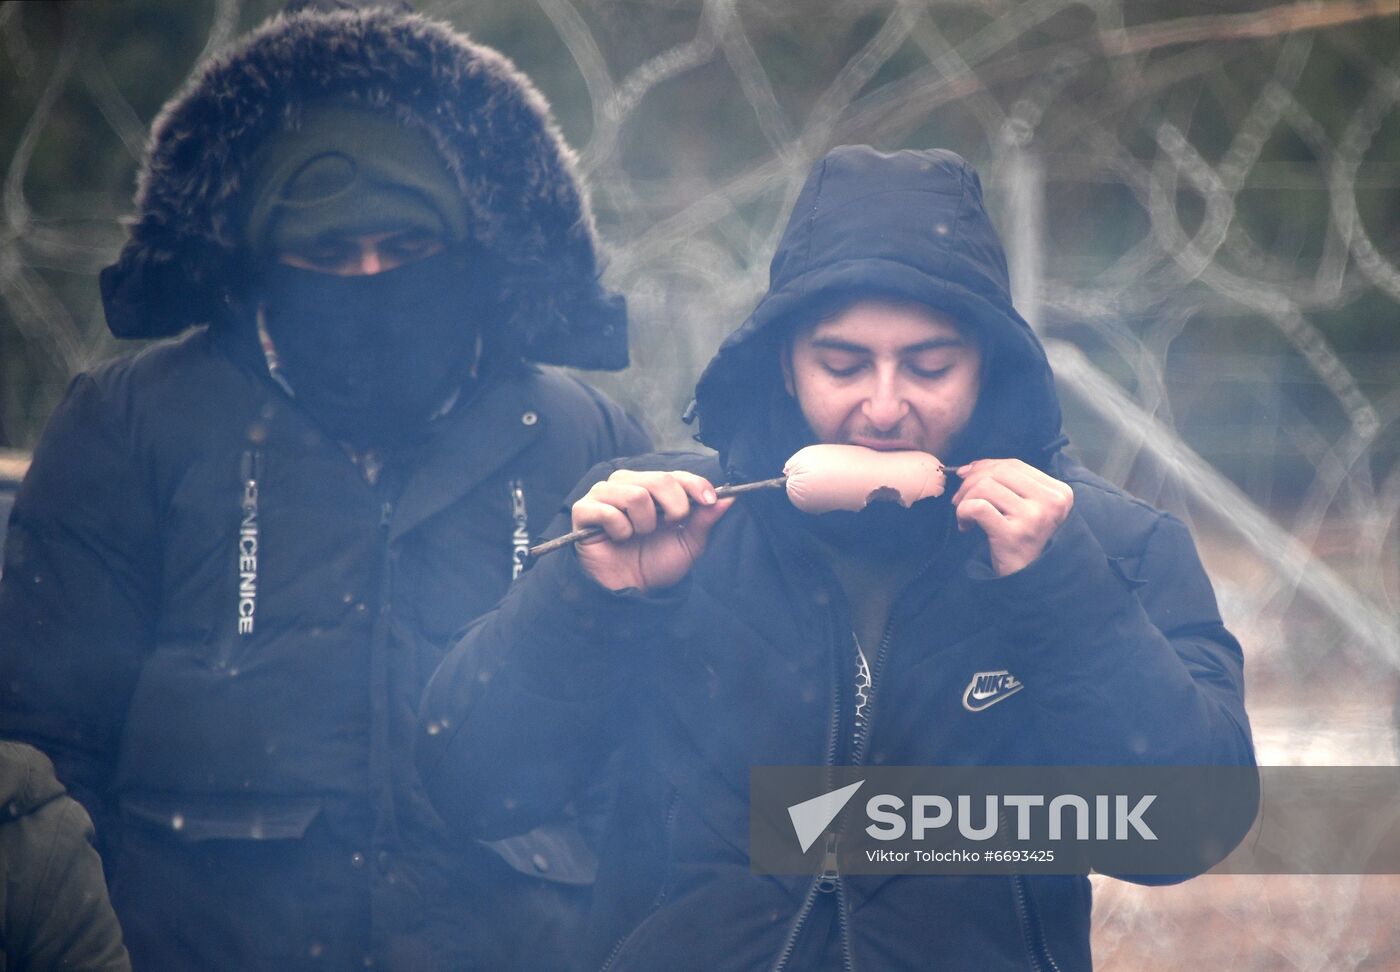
1201	200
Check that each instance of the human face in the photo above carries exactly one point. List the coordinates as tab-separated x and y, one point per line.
885	376
361	254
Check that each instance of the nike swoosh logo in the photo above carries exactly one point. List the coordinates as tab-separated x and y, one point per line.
988	688
986	700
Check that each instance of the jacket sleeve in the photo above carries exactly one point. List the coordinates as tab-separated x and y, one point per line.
1130	662
1132	666
524	712
77	594
72	925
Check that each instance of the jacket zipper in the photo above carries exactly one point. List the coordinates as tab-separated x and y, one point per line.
385	831
1034	934
1034	945
830	859
1018	891
858	747
877	666
671	809
830	878
1031	929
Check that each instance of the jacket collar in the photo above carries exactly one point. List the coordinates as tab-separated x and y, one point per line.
478	437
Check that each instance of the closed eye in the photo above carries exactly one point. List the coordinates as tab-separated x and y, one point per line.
327	255
930	372
413	246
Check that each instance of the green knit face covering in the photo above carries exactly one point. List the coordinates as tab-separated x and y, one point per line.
346	171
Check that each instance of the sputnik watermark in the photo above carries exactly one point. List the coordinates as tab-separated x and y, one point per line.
1107	817
931	811
810	818
1130	820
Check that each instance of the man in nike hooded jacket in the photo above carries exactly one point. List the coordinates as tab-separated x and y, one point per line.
240	552
744	632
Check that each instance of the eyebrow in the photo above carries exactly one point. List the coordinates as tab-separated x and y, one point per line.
934	344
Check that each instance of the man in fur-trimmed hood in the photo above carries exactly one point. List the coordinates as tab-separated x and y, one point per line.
239	554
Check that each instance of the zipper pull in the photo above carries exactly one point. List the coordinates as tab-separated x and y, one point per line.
386	513
249	468
831	866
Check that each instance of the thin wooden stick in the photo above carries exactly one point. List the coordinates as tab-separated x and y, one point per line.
588	533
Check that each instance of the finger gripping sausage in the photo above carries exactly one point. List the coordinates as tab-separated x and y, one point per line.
824	478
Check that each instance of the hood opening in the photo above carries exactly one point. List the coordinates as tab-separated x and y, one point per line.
519	180
907	225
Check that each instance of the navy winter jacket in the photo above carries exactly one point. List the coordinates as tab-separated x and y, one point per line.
213	623
219	632
1113	631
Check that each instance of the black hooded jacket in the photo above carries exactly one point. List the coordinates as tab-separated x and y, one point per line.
218	625
1113	632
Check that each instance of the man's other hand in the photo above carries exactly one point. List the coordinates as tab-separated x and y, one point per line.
1017	506
655	525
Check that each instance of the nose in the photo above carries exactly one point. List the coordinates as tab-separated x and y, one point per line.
371	262
885	407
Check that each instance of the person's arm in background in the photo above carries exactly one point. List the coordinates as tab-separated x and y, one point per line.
56	911
78	593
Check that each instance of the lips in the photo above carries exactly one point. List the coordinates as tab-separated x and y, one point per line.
884	445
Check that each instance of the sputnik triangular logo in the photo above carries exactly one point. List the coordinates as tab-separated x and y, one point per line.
811	817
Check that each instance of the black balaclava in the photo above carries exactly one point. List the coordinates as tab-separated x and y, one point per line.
372	358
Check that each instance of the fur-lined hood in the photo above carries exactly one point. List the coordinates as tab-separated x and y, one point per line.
517	175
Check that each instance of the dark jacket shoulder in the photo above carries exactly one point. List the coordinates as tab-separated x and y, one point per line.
174	363
571	398
1123	524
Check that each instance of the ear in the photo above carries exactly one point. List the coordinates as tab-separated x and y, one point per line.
785	360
